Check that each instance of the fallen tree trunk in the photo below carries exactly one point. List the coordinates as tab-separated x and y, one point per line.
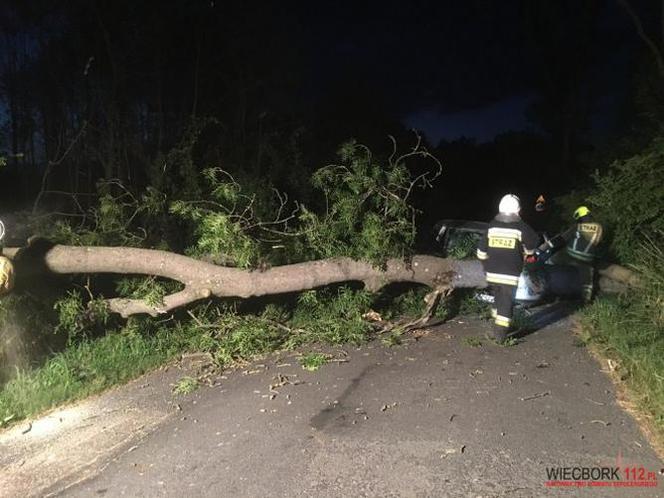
202	280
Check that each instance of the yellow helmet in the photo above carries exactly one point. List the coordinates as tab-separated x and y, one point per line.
580	212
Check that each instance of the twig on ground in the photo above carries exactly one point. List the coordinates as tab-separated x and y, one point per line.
535	396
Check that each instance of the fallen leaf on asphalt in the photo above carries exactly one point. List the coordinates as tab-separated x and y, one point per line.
543	364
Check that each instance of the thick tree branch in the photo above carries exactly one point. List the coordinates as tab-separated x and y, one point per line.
202	280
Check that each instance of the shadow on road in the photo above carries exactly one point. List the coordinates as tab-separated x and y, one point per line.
545	316
338	413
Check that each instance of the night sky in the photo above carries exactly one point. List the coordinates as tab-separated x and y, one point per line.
475	69
451	69
456	69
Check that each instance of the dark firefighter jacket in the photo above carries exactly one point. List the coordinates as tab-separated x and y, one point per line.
581	239
503	246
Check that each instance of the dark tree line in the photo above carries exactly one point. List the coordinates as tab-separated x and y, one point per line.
96	90
105	89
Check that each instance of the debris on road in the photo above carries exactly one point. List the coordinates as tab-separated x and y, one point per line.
27	429
605	424
385	407
453	451
281	380
535	396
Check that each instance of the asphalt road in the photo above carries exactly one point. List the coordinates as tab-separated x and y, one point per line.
436	416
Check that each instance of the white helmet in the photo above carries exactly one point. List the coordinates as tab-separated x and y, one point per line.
509	204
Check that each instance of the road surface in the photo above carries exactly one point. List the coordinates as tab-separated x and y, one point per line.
436	416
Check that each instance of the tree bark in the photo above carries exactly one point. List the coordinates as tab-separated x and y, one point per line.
202	280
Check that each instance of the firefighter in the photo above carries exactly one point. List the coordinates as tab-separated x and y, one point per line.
581	242
539	220
502	250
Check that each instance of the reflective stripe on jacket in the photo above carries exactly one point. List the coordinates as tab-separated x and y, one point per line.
502	248
586	237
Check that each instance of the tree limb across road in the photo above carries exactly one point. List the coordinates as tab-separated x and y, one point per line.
202	280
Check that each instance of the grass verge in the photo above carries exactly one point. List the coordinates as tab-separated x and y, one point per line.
620	331
86	368
628	332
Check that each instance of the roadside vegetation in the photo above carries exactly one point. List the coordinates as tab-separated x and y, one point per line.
230	333
628	329
85	349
